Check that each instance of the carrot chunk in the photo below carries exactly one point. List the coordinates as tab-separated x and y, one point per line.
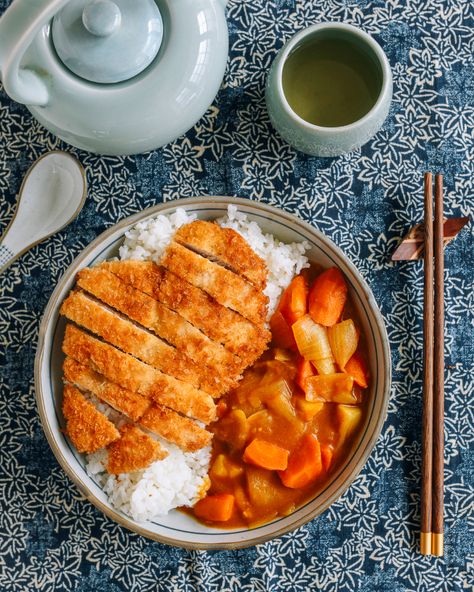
357	368
304	369
215	508
294	302
304	465
327	297
266	455
282	335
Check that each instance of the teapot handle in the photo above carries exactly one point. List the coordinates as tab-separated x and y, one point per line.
19	25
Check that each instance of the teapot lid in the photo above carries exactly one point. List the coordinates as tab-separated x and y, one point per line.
107	41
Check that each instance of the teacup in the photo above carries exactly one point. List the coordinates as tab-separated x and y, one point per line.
329	89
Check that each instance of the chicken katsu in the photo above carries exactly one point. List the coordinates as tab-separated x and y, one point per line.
137	376
134	340
225	246
160	319
125	401
222	325
88	429
134	450
171	426
158	342
228	288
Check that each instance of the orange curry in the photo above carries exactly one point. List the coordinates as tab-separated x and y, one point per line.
291	421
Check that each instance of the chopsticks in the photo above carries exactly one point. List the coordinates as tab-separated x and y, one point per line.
432	496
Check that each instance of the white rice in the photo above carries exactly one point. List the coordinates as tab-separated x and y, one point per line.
181	478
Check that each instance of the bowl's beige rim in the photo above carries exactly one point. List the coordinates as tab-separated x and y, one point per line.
129	523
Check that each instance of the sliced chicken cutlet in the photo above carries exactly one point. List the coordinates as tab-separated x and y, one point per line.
163	321
225	286
165	422
138	342
240	336
130	373
134	451
127	402
88	429
225	246
183	432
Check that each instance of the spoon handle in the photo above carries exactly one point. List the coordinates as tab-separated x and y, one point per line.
7	256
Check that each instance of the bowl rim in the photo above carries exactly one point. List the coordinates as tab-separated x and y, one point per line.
128	522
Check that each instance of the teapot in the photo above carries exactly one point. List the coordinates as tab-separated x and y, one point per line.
115	77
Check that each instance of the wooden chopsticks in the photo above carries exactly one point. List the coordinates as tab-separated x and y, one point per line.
432	497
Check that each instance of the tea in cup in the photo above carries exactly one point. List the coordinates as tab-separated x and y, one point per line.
329	89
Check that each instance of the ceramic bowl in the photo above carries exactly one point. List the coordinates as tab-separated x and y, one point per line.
177	528
318	140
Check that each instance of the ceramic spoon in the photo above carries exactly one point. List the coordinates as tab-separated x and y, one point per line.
52	195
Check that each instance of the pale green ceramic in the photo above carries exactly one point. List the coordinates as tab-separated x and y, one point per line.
314	139
114	76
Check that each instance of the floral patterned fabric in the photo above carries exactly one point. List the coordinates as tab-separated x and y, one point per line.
51	538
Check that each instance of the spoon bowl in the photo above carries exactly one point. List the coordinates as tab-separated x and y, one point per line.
51	196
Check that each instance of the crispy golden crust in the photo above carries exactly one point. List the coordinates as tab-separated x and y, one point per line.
130	404
228	288
134	451
225	246
88	428
184	432
134	375
163	321
134	340
219	323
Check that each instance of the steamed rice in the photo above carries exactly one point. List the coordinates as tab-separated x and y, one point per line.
181	478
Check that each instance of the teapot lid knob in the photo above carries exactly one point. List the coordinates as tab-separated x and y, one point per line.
101	17
107	41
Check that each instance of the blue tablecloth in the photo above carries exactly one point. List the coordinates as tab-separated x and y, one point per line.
53	539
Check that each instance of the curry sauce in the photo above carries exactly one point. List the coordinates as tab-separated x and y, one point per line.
291	421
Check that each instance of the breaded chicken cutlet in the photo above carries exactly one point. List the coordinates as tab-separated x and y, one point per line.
136	376
88	428
163	421
223	325
163	321
138	342
182	431
224	246
225	286
134	450
127	402
159	341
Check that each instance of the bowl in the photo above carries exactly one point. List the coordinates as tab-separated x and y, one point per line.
177	528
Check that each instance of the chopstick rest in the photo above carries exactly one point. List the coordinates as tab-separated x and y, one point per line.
411	247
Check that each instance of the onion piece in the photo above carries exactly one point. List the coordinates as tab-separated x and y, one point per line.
343	339
312	339
333	388
326	366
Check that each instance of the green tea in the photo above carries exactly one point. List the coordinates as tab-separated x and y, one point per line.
331	82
